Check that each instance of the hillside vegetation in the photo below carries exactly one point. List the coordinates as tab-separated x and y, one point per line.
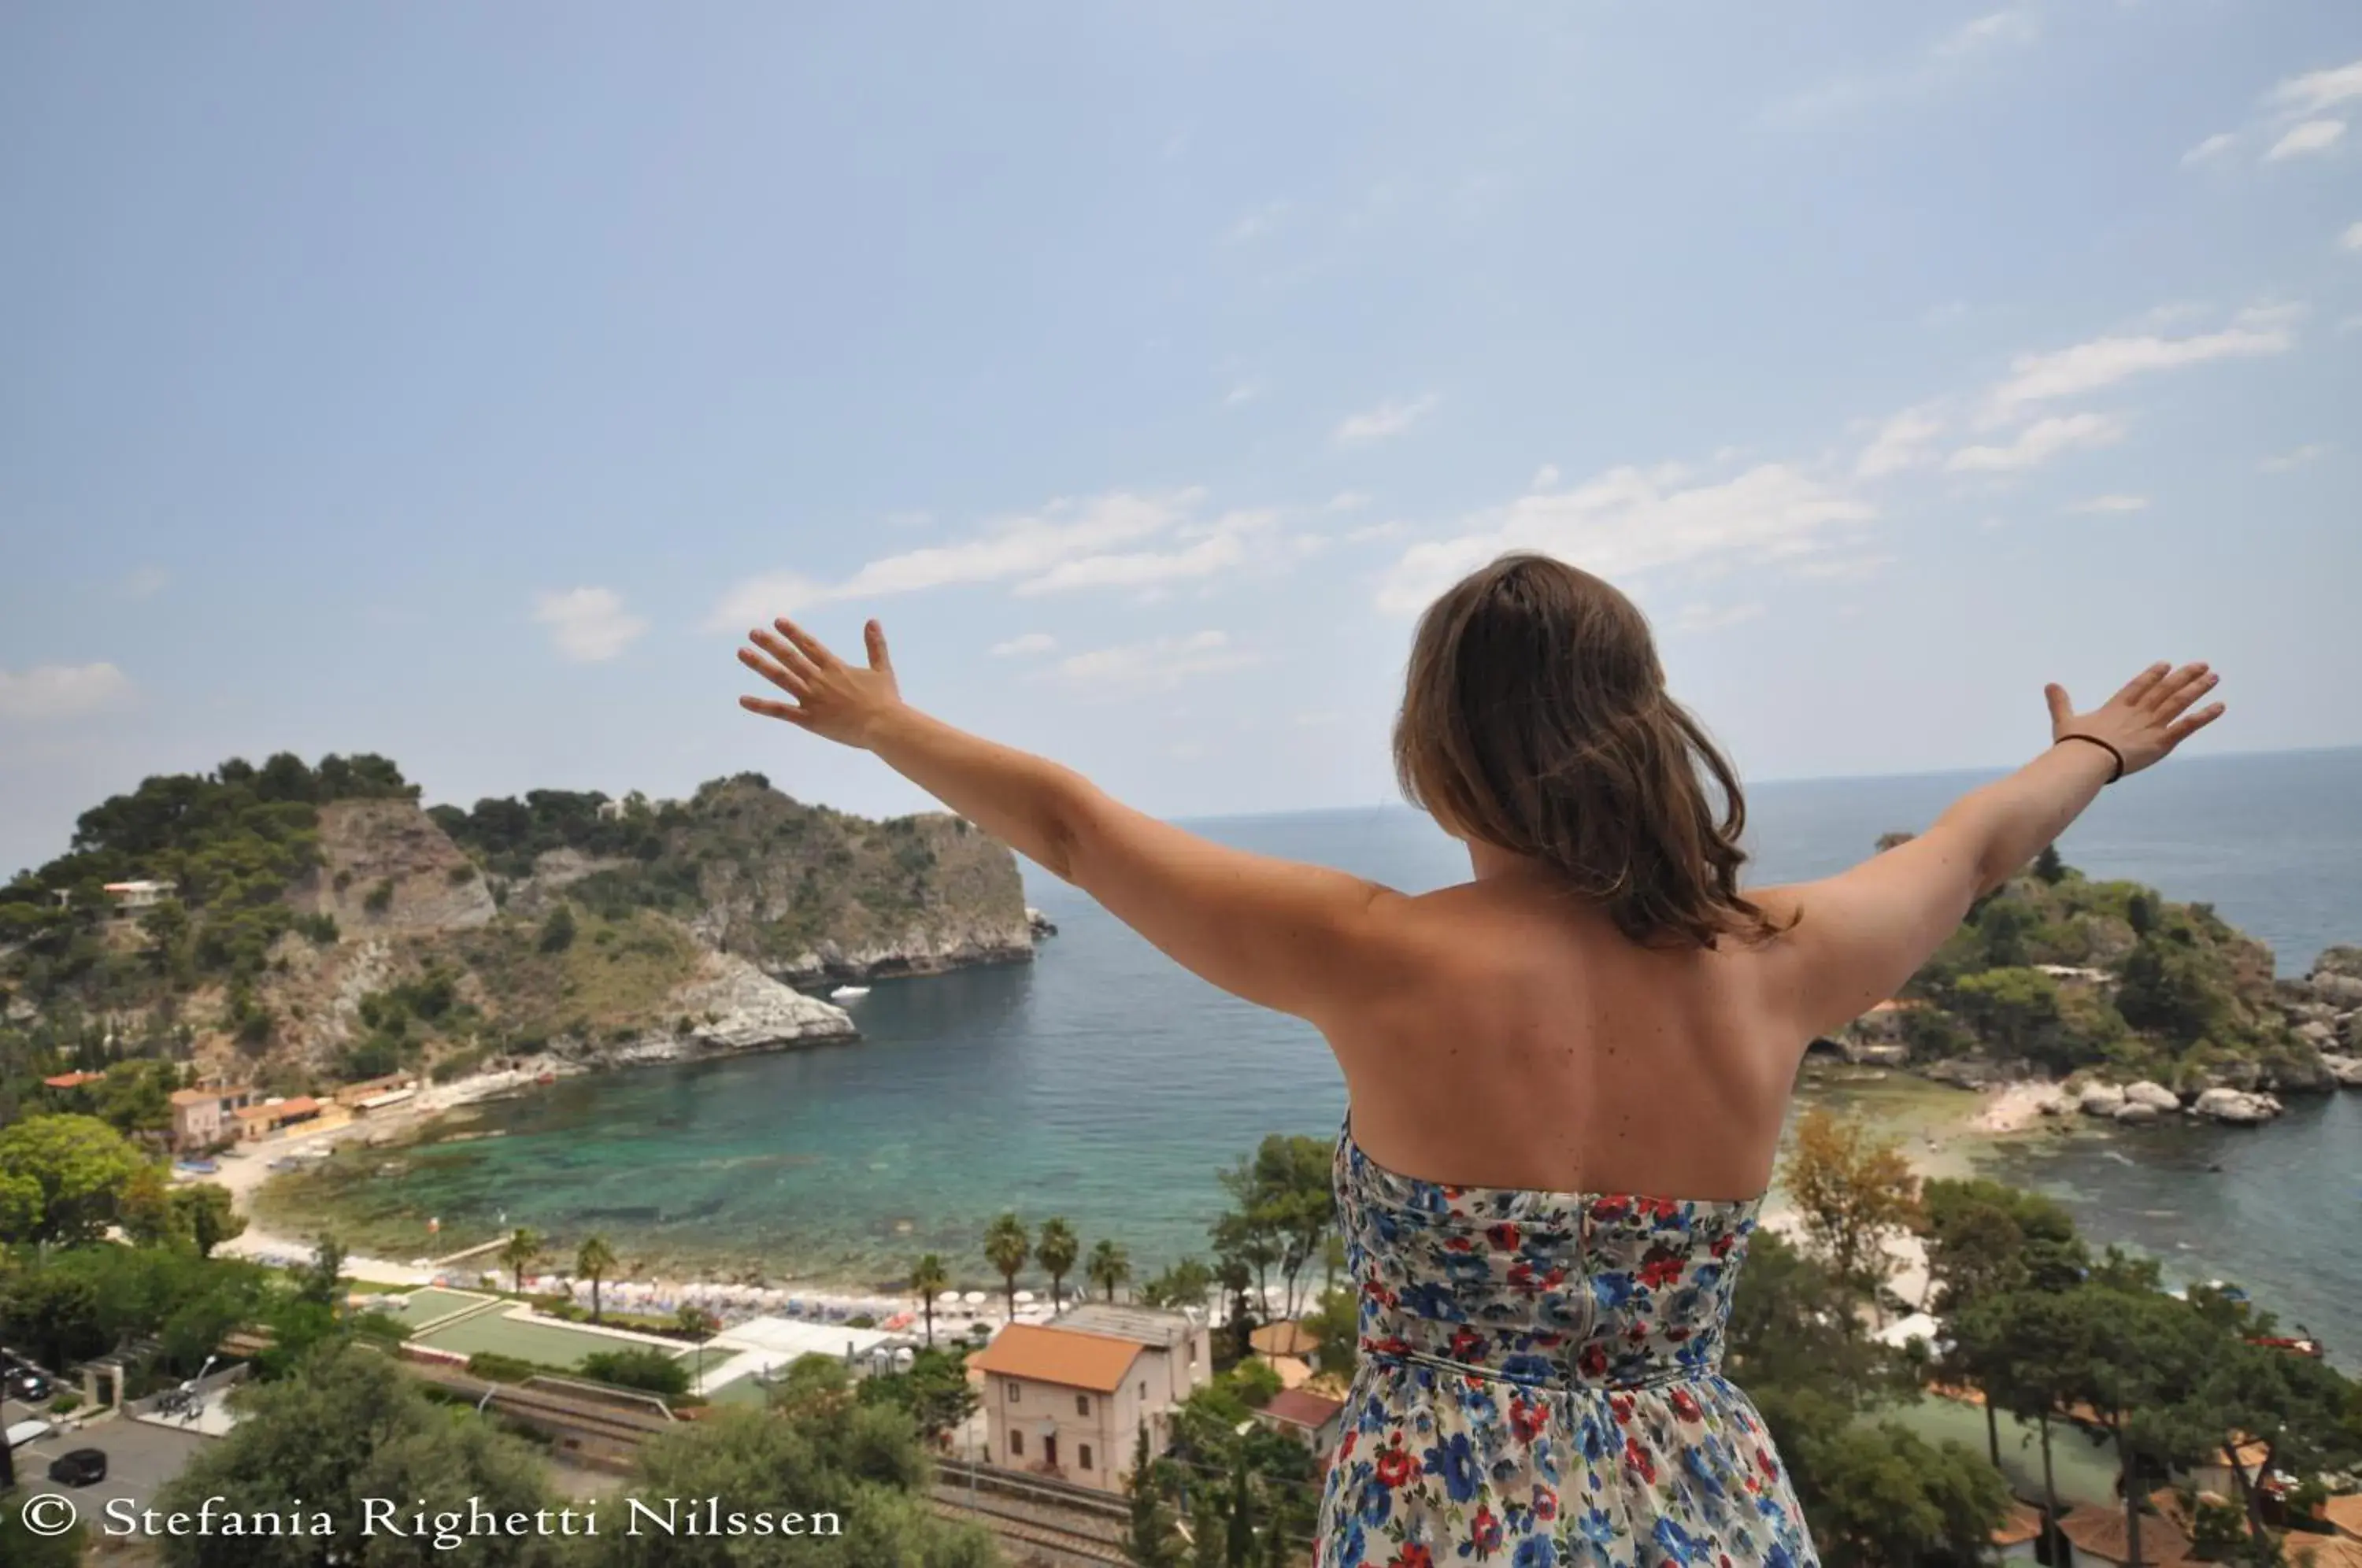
321	927
2059	973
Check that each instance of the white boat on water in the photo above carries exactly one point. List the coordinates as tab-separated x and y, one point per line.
846	993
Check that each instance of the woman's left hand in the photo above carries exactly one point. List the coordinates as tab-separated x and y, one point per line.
834	700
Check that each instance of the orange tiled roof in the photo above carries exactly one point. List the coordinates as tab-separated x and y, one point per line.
2345	1514
1285	1339
1302	1408
2306	1551
2020	1524
1068	1357
2100	1532
72	1080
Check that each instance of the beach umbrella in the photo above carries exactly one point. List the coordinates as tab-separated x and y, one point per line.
1024	1298
947	1299
973	1299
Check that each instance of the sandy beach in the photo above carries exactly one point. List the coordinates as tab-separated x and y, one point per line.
1935	1148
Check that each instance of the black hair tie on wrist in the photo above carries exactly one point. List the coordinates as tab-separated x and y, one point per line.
2104	745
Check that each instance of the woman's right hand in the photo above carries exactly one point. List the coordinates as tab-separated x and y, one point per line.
2145	720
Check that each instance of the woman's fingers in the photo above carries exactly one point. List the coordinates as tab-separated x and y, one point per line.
778	675
770	710
873	637
2137	689
2186	686
811	648
2183	728
2062	709
789	657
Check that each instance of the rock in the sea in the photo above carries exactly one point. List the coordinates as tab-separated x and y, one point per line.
2101	1099
731	1006
2231	1105
2318	1032
2347	1070
2157	1097
2133	1113
1039	923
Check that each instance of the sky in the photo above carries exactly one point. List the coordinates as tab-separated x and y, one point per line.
461	383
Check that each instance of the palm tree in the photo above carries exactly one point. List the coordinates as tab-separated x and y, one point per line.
1109	1267
928	1280
1006	1246
520	1252
696	1323
1057	1252
594	1261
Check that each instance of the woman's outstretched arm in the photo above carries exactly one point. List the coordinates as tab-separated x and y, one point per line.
1279	934
1860	934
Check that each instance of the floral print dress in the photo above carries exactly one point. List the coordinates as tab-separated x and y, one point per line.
1539	1384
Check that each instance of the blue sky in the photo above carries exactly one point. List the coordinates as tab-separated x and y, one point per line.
458	382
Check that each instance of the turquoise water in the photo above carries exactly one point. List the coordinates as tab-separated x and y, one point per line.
1103	1083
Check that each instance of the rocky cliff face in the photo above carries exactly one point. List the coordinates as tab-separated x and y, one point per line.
385	866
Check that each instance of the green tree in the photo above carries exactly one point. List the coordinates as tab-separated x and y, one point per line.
2048	866
1108	1266
2146	1358
935	1393
929	1279
320	1281
1879	1496
518	1254
1239	1532
2017	1013
203	1211
1151	1542
557	931
1853	1191
854	1469
61	1177
346	1426
1007	1245
54	1315
1057	1252
641	1366
1188	1283
594	1260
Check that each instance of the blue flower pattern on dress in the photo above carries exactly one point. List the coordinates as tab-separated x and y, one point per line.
1540	1385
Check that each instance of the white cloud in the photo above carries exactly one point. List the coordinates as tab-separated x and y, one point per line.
1369	532
1020	646
1960	50
2104	362
1707	618
2352	238
61	690
1253	225
2296	458
2102	503
1545	478
1389	418
2212	148
2310	136
1162	663
587	625
2015	27
1245	393
1631	520
1217	548
148	581
1842	569
1904	441
1349	500
2318	89
2350	324
2038	443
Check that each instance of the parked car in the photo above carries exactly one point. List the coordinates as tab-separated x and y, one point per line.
19	1433
82	1467
29	1386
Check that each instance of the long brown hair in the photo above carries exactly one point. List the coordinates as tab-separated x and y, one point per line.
1535	718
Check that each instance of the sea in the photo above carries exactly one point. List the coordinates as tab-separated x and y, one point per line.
1103	1083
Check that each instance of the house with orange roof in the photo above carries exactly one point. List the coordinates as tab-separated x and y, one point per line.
2345	1515
2018	1535
1313	1420
1069	1398
73	1080
202	1118
2101	1536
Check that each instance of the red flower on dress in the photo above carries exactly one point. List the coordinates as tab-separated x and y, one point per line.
1723	1244
1592	1362
1685	1404
1504	1236
1545	1505
1465	1342
1345	1449
1412	1555
1485	1530
1527	1418
1640	1461
1658	1272
1620	1406
1396	1469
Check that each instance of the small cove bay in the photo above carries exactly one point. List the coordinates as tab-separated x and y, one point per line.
1103	1083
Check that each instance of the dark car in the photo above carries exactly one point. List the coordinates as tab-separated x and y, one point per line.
82	1467
29	1386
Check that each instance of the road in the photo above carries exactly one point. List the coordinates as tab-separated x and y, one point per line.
140	1459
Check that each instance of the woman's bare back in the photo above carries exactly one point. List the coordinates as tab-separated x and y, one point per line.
1510	1036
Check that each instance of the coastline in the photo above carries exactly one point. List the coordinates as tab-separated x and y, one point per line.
1940	1127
